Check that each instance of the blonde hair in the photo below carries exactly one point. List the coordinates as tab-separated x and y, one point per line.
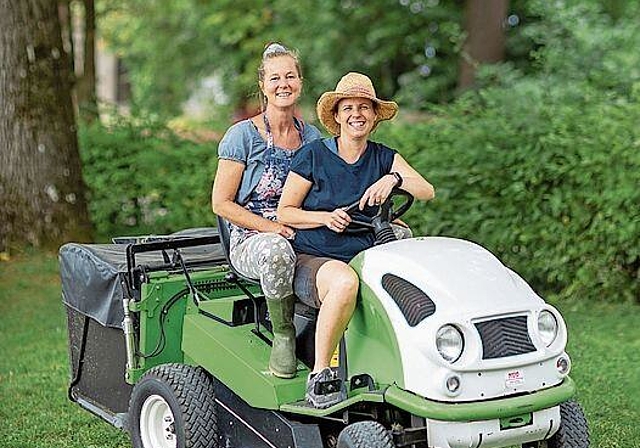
275	50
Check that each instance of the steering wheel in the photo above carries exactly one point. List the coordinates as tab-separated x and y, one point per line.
380	223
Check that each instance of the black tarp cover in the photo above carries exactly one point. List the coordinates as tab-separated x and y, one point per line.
92	274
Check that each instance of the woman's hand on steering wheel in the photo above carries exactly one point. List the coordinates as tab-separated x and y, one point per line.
378	192
387	211
337	220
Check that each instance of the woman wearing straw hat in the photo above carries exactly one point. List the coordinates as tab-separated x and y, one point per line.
254	159
328	174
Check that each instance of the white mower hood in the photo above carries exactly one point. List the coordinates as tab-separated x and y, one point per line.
470	289
456	274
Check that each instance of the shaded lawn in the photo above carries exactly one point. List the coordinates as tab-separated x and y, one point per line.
34	373
34	370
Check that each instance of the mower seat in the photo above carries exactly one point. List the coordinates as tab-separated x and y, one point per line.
224	232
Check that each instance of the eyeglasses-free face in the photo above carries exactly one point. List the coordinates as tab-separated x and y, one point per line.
356	117
282	84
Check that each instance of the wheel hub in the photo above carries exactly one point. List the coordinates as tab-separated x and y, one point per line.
157	424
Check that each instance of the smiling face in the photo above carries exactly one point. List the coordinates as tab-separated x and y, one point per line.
282	83
356	117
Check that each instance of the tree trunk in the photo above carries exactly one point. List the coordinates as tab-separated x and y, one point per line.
484	22
42	195
65	14
86	88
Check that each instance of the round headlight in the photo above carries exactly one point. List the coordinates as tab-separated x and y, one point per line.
449	343
547	327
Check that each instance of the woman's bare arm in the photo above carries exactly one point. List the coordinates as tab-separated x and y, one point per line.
412	181
290	210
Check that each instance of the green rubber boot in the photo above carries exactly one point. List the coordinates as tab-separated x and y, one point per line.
283	362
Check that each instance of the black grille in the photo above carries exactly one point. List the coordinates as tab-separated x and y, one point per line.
412	301
505	337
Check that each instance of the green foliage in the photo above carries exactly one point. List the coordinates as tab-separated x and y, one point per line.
143	179
169	46
540	166
410	48
163	47
543	169
579	42
545	180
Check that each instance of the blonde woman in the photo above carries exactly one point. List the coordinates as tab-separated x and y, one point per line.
254	159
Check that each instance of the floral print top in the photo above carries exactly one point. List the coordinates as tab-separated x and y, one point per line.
263	200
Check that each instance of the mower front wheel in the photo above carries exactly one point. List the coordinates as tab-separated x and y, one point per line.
173	406
367	434
573	431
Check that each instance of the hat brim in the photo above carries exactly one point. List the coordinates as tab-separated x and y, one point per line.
385	110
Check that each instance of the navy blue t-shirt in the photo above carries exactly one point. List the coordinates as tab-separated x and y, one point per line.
336	183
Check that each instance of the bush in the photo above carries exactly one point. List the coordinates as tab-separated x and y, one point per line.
545	176
579	41
542	174
143	179
543	169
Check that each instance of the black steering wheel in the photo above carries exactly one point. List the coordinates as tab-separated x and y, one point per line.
380	223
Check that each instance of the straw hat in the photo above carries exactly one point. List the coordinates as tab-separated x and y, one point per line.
352	85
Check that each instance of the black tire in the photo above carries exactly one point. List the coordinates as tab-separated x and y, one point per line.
573	431
367	434
173	406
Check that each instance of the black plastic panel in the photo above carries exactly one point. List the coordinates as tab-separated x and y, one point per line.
241	425
100	371
414	303
505	337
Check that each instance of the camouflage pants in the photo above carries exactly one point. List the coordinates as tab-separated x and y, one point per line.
269	258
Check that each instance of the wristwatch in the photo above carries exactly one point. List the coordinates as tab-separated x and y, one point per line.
398	178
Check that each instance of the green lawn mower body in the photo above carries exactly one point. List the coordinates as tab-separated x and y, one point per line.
447	348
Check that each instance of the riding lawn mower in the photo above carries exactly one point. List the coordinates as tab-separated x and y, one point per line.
447	348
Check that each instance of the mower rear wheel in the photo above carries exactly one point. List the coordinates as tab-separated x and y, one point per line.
367	434
173	406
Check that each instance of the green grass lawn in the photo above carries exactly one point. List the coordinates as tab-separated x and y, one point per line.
34	373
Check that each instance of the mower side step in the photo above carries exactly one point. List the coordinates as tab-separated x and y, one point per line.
304	408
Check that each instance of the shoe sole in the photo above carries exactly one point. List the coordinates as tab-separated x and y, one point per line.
285	376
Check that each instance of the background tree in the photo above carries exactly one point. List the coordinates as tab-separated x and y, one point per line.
86	80
78	22
167	48
65	15
41	189
417	51
484	23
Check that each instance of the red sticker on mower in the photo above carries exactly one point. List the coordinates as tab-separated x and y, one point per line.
515	378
